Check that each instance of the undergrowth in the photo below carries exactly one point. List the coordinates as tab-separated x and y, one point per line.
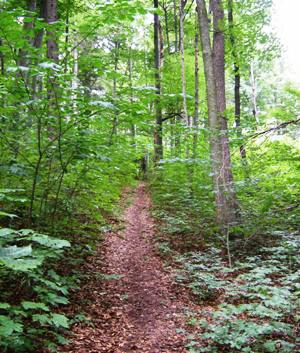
29	304
251	307
250	303
46	271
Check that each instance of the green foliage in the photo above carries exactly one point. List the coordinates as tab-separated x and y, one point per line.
27	257
66	153
259	296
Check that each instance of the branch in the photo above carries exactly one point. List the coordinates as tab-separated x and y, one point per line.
188	10
278	127
172	115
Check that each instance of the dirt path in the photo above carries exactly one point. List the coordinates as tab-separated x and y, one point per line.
136	309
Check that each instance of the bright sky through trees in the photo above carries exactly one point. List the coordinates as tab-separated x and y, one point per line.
286	23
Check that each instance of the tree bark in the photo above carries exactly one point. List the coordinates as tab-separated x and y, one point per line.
165	8
253	95
67	34
161	45
226	204
115	119
158	138
52	54
237	80
132	124
51	18
30	7
229	213
183	77
175	25
38	39
37	43
196	112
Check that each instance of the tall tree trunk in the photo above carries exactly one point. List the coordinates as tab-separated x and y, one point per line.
52	54
158	138
67	34
30	7
51	18
228	195
183	77
253	95
196	112
165	8
237	80
38	39
116	62
226	204
175	25
132	124
161	45
37	43
178	129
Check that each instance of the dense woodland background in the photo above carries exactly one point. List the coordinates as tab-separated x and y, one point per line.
188	95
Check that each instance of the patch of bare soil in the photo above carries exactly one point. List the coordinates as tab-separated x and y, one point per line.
134	307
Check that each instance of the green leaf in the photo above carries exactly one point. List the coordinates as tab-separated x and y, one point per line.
60	320
61	339
43	319
26	231
4	306
4	214
4	232
50	242
53	298
34	306
13	252
8	326
24	265
270	346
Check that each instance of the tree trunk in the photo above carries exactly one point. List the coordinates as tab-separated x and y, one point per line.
226	204
115	119
175	26
237	80
253	95
132	124
38	39
158	138
51	18
196	112
161	46
230	212
67	34
30	7
183	78
165	8
37	43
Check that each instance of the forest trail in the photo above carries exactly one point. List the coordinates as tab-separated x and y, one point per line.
136	309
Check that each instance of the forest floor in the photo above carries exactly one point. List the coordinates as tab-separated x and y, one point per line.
133	305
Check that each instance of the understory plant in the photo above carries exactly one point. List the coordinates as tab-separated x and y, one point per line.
255	302
29	305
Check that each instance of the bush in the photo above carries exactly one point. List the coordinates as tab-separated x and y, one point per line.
28	304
